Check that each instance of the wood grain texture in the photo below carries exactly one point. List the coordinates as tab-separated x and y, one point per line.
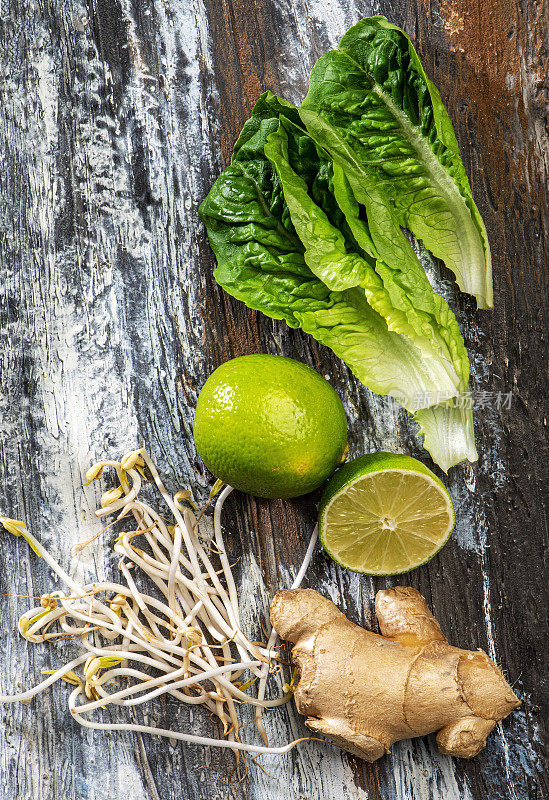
115	118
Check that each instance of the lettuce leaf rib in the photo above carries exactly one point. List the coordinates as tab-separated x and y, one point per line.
448	432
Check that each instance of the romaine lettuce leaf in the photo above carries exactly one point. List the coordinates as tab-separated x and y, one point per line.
260	260
371	106
402	274
327	253
402	294
410	306
291	241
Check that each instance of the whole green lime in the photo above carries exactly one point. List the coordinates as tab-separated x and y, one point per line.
270	426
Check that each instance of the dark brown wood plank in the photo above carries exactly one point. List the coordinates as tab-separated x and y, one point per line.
116	117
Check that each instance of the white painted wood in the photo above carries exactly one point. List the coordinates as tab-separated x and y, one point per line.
109	315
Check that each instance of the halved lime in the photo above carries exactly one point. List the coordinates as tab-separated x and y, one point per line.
384	514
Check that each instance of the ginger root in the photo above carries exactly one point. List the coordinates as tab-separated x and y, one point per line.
365	691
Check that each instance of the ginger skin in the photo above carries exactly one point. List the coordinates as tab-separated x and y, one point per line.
365	691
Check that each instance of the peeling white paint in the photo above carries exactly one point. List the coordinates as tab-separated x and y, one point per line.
420	771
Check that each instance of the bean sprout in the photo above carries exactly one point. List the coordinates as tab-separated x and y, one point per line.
183	639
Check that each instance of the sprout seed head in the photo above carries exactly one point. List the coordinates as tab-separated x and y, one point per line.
132	460
93	665
106	662
70	677
193	635
218	485
48	602
14	526
93	473
91	692
117	602
183	496
111	496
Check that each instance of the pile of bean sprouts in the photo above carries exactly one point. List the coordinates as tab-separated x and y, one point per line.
136	647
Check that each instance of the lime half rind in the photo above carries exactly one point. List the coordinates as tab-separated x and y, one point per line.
384	514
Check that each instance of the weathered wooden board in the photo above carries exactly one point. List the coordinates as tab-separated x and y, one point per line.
115	118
